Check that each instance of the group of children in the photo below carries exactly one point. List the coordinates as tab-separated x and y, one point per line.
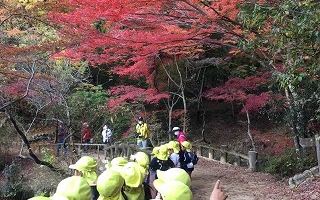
167	176
122	180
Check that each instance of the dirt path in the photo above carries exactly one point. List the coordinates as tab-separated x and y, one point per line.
238	183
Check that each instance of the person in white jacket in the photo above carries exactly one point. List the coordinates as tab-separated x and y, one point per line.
106	135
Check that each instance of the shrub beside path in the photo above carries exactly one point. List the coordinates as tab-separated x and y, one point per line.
242	184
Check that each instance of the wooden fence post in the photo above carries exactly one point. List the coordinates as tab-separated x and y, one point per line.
79	149
253	160
128	152
318	150
211	153
105	151
199	150
116	151
111	153
98	151
223	156
238	161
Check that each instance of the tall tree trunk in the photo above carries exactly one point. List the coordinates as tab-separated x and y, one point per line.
294	120
249	131
169	123
203	126
184	110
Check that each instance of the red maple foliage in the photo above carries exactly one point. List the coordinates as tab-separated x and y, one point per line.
246	91
122	94
131	33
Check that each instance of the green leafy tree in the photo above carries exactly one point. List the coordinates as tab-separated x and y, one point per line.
284	37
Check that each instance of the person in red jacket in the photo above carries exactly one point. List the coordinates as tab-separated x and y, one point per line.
86	136
181	136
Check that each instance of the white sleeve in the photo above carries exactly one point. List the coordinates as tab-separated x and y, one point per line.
175	159
109	133
104	136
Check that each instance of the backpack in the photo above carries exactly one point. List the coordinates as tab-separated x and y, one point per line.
194	158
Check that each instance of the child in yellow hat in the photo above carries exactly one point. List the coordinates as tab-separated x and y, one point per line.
109	185
155	152
73	188
173	148
172	190
189	158
173	184
86	167
133	179
143	160
161	162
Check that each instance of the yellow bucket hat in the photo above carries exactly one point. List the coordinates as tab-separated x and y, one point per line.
39	198
163	152
174	174
56	197
155	151
173	190
119	161
73	188
85	163
187	145
132	174
109	183
174	145
134	193
88	166
141	158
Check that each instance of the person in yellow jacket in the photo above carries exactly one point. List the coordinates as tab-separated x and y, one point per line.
109	185
86	167
143	133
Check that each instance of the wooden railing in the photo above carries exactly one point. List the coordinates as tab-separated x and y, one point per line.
112	151
102	151
225	155
222	154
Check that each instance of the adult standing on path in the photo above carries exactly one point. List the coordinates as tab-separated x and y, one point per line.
143	132
106	135
86	135
62	133
181	136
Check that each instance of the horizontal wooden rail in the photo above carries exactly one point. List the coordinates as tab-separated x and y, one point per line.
225	155
222	154
103	150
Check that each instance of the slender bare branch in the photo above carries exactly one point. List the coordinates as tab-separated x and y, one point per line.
23	96
25	140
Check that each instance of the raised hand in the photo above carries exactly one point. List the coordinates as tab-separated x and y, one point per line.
217	193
